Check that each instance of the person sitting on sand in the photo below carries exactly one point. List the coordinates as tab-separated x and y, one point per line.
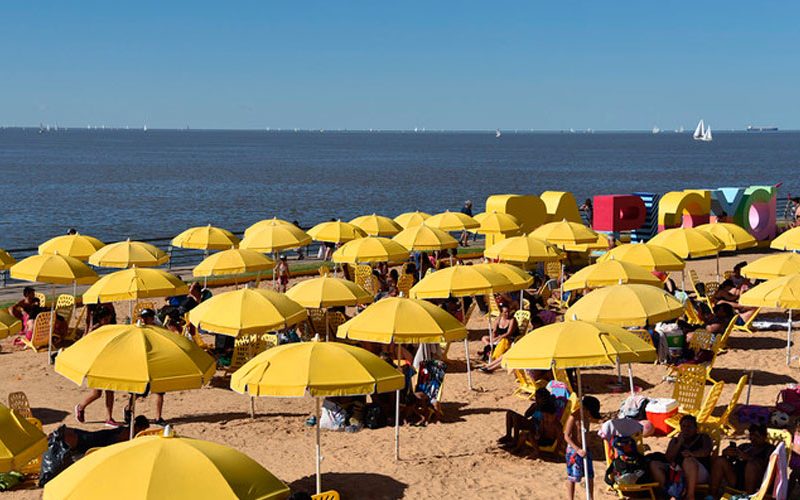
26	310
540	421
691	450
742	467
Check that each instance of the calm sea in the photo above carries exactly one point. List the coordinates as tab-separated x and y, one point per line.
118	184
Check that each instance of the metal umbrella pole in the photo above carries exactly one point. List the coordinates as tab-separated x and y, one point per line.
583	437
319	455
789	340
52	324
397	425
466	345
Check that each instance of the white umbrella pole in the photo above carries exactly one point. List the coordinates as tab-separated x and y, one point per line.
466	345
397	425
319	456
683	280
133	415
52	325
630	379
789	340
619	373
583	438
326	326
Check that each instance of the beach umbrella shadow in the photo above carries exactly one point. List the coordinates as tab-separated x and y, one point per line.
49	415
355	485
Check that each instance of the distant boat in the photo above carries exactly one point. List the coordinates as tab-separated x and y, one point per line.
751	128
144	129
656	130
497	133
679	130
702	133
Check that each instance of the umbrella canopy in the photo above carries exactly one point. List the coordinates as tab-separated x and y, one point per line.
733	237
336	232
20	440
78	246
206	238
461	281
773	266
519	279
370	249
610	272
788	240
327	291
652	258
245	311
565	233
129	253
265	223
166	466
377	225
233	261
56	269
318	369
452	221
403	321
626	305
410	219
6	260
133	284
523	250
687	242
783	292
496	223
602	242
425	238
136	358
274	236
577	344
9	325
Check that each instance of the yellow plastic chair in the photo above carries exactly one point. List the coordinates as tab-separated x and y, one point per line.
644	335
150	432
404	284
711	290
552	269
560	375
41	333
141	306
763	491
335	319
42	298
722	423
558	446
79	320
363	277
628	490
18	401
690	386
65	306
316	318
722	341
33	467
324	270
523	321
748	325
326	495
777	436
703	414
494	309
526	386
692	316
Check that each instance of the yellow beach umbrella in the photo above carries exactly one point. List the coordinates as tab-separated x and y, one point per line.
274	236
626	305
233	261
78	246
733	237
461	281
9	325
265	223
452	221
317	369
773	266
410	219
652	258
20	440
245	311
564	233
327	291
206	238
166	466
519	279
124	254
788	240
133	284
336	232
402	320
55	269
523	250
687	242
600	243
425	238
377	225
6	260
496	223
610	272
370	249
578	344
783	293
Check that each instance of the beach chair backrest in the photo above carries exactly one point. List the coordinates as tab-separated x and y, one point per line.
552	269
326	495
317	319
722	341
689	387
324	270
747	325
644	335
335	320
430	378
692	316
727	275
778	436
404	284
769	474
18	401
494	309
561	375
141	306
701	340
523	321
363	277
73	332
737	393
710	402
42	298
469	312
41	330
65	305
150	432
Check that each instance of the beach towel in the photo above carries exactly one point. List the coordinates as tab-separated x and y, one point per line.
780	488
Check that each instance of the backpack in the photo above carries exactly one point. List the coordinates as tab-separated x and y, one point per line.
628	466
57	457
374	417
676	482
789	401
634	407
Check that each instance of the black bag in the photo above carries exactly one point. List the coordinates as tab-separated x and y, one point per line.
374	417
57	457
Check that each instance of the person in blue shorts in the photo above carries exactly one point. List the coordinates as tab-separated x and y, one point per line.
575	453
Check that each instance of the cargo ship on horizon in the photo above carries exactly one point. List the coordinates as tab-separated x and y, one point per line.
751	128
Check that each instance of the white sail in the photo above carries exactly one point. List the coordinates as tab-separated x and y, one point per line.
700	131
707	135
497	133
656	130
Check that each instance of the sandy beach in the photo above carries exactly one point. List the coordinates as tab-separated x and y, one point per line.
456	458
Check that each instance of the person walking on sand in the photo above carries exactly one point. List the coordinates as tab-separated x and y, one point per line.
466	210
282	271
575	454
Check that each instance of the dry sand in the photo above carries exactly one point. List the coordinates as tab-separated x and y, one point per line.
457	458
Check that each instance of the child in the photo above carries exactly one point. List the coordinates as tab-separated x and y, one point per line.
576	468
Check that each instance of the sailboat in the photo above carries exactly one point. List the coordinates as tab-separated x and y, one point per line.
497	133
656	130
702	133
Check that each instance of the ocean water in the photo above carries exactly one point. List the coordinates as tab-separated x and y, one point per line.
115	184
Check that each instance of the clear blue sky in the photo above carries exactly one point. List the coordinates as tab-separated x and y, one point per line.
376	64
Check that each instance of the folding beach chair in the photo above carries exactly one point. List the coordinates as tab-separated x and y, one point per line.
628	490
18	401
722	423
702	415
41	333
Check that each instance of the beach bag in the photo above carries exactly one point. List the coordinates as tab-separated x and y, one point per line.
753	414
628	466
57	457
374	417
634	407
332	416
789	401
676	482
